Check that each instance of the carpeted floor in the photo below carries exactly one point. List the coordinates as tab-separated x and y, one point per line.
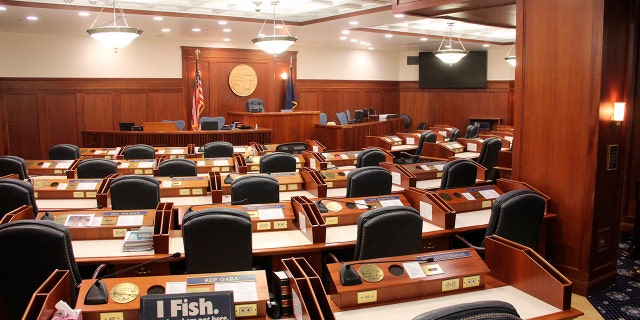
620	301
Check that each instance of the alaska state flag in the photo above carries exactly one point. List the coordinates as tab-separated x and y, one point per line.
290	98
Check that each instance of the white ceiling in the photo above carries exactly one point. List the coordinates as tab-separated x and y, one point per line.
313	22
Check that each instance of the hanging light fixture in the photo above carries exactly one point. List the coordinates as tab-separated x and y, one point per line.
276	43
511	58
110	33
449	54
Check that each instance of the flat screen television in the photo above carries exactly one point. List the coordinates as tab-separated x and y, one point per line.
468	73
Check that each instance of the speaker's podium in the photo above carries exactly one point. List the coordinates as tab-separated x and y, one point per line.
159	126
250	293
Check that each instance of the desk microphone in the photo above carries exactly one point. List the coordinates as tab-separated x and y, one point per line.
97	294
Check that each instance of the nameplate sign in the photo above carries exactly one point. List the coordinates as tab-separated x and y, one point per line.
219	279
123	213
188	306
444	256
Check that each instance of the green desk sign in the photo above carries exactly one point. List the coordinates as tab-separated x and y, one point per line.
188	306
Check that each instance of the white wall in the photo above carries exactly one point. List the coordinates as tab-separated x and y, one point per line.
52	56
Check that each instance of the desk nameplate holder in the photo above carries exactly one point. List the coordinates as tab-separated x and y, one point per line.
309	298
313	182
472	145
131	310
400	176
55	288
49	167
63	188
431	207
314	160
461	270
308	219
183	186
162	226
106	153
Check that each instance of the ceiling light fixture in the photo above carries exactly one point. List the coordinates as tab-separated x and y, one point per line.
450	55
509	57
110	33
274	44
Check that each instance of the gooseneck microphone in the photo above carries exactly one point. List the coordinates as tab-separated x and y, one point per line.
97	294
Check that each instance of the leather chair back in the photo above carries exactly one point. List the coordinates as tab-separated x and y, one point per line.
387	232
15	193
488	157
220	120
427	136
370	158
33	249
292	147
132	192
323	118
96	168
218	149
217	240
179	123
177	168
407	121
139	151
64	151
255	189
421	126
455	134
342	117
368	181
477	310
517	215
13	165
474	131
458	173
277	162
468	132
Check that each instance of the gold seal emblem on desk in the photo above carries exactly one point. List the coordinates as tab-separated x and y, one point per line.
243	80
370	273
334	206
124	292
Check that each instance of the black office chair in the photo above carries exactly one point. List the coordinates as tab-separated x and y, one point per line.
468	132
254	189
515	215
132	192
474	130
218	149
458	173
177	168
368	181
15	193
370	158
427	136
277	162
421	126
292	147
180	124
13	165
388	231
255	105
488	157
64	151
96	168
454	134
477	310
217	240
407	121
32	250
212	123
139	151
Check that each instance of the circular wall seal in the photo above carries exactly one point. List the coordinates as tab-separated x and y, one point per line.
243	80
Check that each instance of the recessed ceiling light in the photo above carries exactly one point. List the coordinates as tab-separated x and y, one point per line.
158	18
278	26
226	39
226	30
165	30
222	22
371	48
388	36
363	42
81	13
343	38
32	18
399	15
354	40
485	45
424	39
353	23
3	8
346	31
195	29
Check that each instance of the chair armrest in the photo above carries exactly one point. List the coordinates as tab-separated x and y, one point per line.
480	250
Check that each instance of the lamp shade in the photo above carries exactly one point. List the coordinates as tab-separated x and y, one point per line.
618	111
114	36
450	56
274	44
511	60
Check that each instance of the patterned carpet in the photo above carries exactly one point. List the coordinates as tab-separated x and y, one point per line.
620	301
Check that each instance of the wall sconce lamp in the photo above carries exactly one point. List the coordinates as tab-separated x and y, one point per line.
284	76
618	113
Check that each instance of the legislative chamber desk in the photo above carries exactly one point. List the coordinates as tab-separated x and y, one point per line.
351	136
288	126
112	139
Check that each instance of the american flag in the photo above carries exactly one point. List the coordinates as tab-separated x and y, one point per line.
198	100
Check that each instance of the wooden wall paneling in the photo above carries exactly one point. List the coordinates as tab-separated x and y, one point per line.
57	112
23	125
98	111
131	107
4	136
331	104
166	106
350	100
308	100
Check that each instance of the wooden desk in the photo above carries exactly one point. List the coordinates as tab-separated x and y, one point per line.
131	310
48	167
292	126
351	136
113	139
99	152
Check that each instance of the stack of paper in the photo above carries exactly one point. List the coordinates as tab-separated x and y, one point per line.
133	241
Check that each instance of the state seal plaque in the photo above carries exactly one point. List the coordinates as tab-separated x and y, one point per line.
243	80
